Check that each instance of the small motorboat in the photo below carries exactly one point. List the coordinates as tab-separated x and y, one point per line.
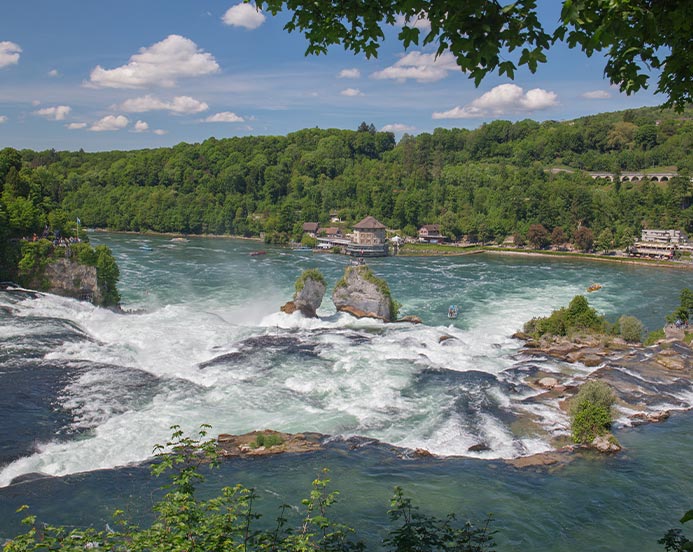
258	253
146	248
453	311
594	287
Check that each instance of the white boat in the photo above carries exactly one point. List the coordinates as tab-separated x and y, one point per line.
453	311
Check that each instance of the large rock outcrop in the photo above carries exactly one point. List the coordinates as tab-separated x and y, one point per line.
310	289
362	294
71	279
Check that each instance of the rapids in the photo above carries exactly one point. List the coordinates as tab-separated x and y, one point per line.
89	389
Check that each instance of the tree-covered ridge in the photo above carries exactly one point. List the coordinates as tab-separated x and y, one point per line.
488	183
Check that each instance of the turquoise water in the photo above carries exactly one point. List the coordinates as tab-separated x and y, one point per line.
208	345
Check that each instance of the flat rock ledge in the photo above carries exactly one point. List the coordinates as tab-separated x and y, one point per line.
232	446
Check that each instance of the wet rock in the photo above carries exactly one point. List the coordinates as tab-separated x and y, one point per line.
444	338
479	447
363	295
248	444
308	297
422	453
547	382
70	279
670	361
605	443
411	318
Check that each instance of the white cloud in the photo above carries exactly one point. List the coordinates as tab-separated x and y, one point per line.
244	15
110	122
349	74
76	126
419	66
160	64
57	113
224	117
53	73
9	53
420	22
160	131
502	99
3	119
141	126
179	104
596	95
397	127
351	92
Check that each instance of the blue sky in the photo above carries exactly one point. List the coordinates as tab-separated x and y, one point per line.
152	73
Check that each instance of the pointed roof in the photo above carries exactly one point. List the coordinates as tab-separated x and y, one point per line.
369	223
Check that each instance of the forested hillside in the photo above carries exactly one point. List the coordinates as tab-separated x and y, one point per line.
489	182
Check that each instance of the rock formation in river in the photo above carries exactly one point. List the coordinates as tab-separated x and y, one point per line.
72	279
362	294
310	289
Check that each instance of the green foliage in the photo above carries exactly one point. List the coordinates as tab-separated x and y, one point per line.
35	256
313	274
309	241
674	540
420	532
498	37
107	275
267	440
183	522
590	411
654	336
630	328
578	317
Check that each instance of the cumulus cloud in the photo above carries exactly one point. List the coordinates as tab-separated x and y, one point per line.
53	73
596	95
9	53
419	22
224	117
160	131
244	15
161	64
76	126
179	105
349	74
3	119
56	113
397	127
419	66
141	126
351	92
110	122
502	99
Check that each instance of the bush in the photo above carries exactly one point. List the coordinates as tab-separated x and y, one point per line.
267	440
579	316
654	336
591	411
313	274
630	329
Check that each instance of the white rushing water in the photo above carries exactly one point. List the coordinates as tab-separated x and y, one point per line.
334	375
225	356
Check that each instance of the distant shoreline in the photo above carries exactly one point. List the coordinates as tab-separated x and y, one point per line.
454	252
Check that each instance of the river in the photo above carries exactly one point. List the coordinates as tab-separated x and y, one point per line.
88	392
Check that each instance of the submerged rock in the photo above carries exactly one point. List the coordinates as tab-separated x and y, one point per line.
362	294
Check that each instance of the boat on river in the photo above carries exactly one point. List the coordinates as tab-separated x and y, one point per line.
453	312
258	253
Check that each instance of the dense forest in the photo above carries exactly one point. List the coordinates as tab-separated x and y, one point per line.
486	183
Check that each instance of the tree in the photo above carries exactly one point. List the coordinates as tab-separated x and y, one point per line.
583	238
488	37
558	236
538	236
